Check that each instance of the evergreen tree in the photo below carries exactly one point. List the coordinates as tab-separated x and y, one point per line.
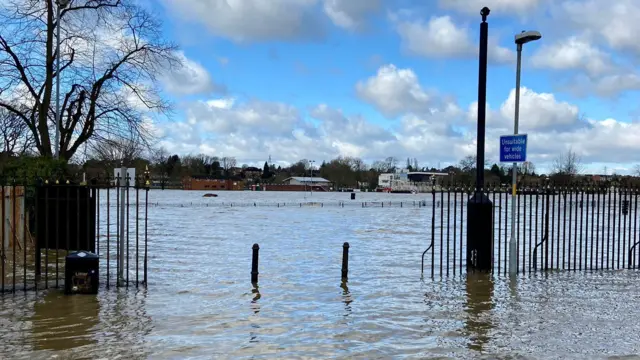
266	172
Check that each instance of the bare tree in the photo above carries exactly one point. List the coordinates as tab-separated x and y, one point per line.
358	165
14	135
228	163
567	163
117	151
392	163
111	52
469	163
159	156
379	166
527	168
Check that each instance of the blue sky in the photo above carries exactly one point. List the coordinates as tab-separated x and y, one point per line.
373	78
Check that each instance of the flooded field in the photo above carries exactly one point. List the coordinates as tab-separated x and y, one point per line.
200	303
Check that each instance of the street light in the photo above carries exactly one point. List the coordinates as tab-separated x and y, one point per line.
311	173
61	5
520	39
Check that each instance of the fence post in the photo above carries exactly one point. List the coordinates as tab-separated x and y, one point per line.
122	183
254	263
345	261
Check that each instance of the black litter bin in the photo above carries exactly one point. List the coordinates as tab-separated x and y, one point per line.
353	196
81	273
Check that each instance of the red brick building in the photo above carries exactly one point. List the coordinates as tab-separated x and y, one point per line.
212	184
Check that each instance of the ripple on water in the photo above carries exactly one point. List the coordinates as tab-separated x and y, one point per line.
200	303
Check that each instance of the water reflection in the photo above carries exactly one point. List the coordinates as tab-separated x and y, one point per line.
124	323
255	307
346	298
64	322
479	303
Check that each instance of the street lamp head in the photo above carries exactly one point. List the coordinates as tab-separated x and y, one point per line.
484	13
527	36
63	3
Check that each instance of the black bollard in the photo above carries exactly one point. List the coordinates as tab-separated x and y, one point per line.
254	264
345	260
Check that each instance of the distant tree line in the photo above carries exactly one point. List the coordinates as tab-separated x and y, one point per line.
342	171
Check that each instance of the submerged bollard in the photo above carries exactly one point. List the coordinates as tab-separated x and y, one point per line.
345	260
254	264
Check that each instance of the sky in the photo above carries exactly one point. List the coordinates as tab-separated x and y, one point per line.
315	79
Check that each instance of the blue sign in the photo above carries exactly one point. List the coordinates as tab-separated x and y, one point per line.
513	148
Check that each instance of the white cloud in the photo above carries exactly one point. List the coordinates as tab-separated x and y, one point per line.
395	91
608	86
350	14
594	70
538	112
504	7
224	117
615	22
573	53
437	38
251	131
541	111
440	37
252	20
189	78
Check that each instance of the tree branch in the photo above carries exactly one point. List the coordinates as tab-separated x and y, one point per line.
18	65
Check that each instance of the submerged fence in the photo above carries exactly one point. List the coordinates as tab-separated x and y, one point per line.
557	228
300	204
43	221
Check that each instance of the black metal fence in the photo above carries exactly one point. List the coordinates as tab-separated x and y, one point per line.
44	220
557	228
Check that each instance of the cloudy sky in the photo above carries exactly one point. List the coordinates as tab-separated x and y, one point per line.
375	78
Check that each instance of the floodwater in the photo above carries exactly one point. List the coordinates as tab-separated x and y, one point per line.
200	303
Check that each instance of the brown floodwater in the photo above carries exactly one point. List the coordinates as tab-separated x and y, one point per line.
200	304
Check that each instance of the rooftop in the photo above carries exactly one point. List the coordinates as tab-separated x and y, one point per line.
307	179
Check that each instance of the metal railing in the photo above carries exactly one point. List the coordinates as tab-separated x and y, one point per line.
45	220
557	228
301	204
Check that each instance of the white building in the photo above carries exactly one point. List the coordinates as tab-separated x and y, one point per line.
416	181
302	180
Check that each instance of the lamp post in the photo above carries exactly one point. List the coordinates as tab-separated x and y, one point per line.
61	4
520	39
479	206
311	162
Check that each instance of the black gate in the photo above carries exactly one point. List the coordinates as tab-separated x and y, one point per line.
43	221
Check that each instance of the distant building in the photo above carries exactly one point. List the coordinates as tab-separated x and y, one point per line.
418	181
424	176
235	171
598	177
252	172
211	184
301	180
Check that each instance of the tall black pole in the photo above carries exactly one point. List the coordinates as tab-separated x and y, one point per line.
479	207
482	98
